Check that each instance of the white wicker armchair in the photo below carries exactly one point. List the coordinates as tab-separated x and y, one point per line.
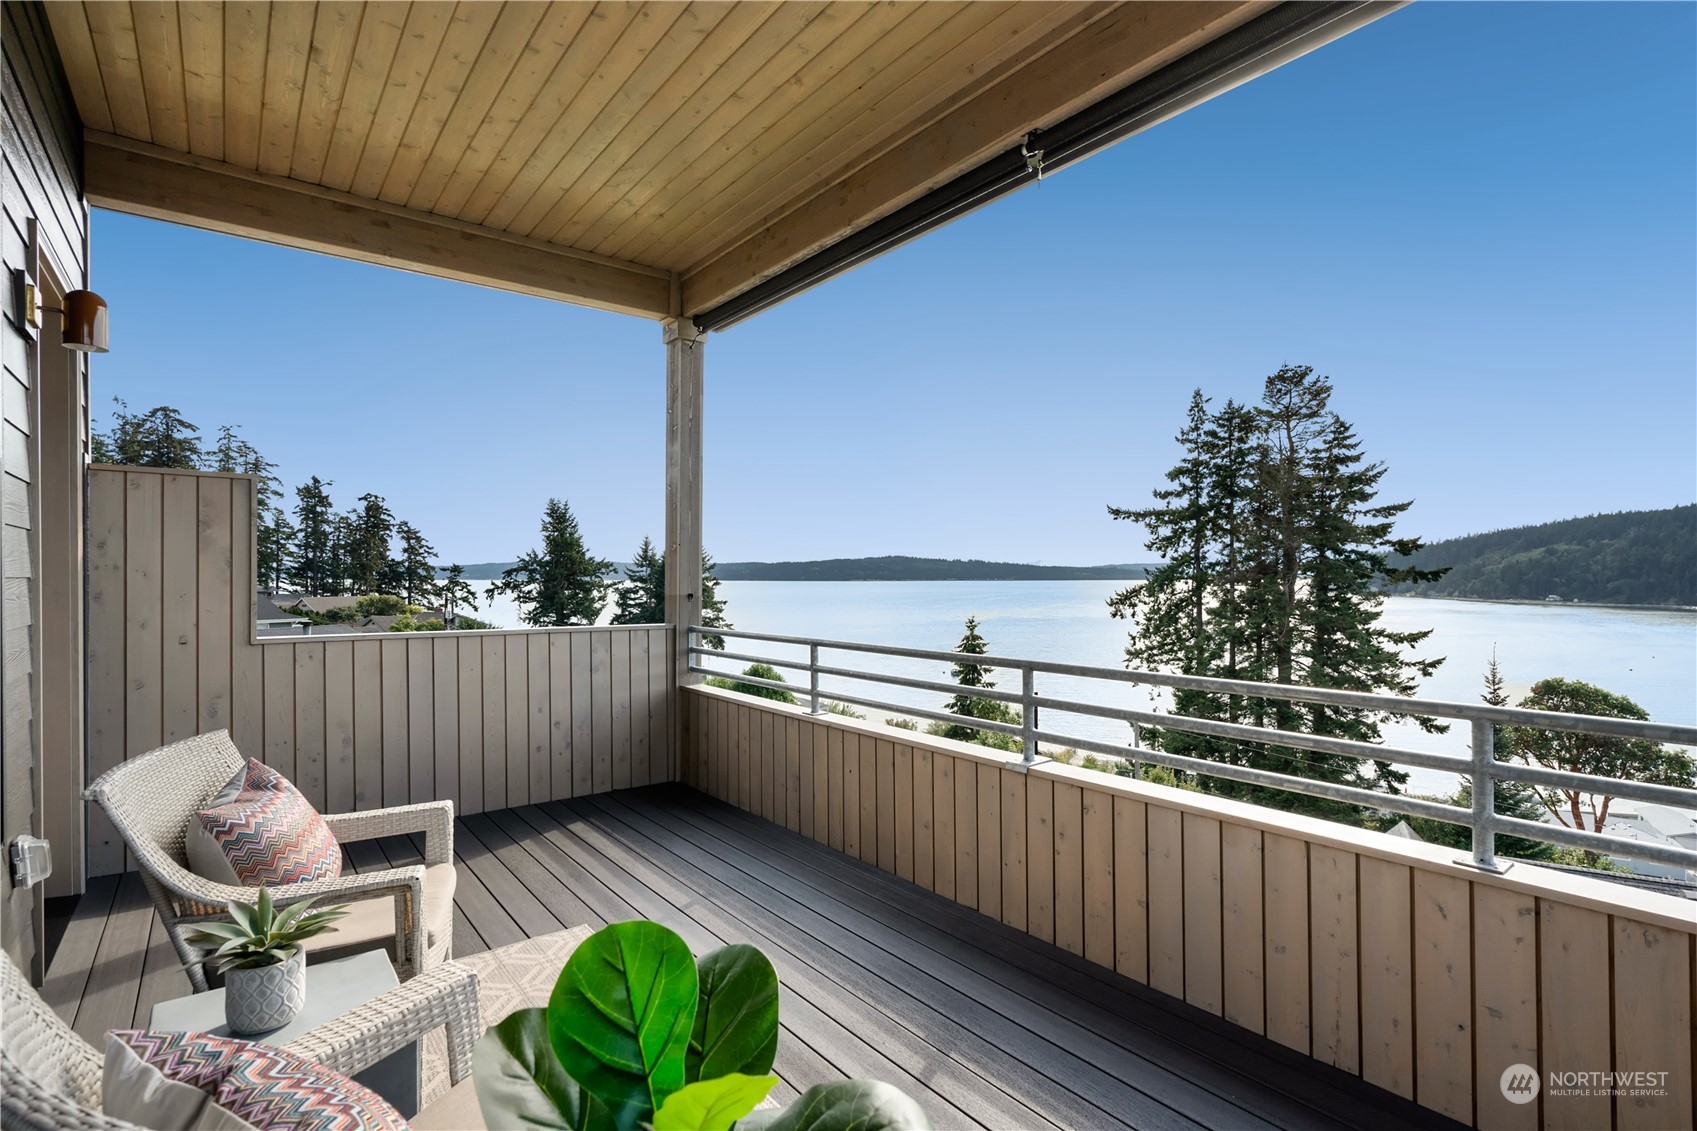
150	799
50	1077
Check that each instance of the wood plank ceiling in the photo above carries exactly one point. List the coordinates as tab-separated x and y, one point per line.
645	157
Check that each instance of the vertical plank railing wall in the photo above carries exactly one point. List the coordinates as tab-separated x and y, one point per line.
486	719
1386	958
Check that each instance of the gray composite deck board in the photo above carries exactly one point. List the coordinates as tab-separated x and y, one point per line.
1298	1091
984	1025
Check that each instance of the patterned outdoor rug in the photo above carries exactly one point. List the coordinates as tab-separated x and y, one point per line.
508	978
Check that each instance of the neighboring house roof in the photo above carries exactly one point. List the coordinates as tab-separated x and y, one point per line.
323	604
266	612
1403	830
1675	824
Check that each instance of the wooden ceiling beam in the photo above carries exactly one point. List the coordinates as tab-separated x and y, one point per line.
1104	57
146	180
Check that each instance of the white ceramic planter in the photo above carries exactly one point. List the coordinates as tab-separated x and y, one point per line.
262	998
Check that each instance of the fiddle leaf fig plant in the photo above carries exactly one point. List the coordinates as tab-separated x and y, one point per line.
639	1034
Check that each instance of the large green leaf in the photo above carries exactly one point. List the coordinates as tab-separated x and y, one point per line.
520	1083
712	1105
847	1105
736	1014
620	1017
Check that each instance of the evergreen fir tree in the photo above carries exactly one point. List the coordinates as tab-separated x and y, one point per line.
561	584
1171	608
342	550
972	676
276	535
234	454
1276	556
159	437
641	597
712	606
312	567
371	528
1513	799
415	569
456	593
169	440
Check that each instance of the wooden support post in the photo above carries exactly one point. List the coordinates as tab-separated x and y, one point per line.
684	348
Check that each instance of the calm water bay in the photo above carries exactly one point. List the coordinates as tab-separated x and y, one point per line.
1649	655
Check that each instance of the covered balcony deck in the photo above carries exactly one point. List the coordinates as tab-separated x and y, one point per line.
984	1024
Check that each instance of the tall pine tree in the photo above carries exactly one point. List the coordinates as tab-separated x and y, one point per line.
371	528
712	613
560	584
641	597
313	566
973	676
1276	555
1172	607
456	593
276	535
1512	799
233	453
414	571
159	437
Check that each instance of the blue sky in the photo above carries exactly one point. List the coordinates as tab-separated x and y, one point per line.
1479	219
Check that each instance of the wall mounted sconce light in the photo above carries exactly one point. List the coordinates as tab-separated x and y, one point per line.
84	319
84	315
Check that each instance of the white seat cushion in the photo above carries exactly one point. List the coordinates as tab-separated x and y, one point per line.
373	920
455	1111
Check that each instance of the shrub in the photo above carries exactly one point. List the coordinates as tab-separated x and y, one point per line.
995	739
902	724
834	708
380	605
758	671
1579	858
1161	775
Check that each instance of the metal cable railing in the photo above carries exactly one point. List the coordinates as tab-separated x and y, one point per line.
1482	766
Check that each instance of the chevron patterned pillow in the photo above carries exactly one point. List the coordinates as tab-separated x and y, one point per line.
250	1085
269	833
275	1090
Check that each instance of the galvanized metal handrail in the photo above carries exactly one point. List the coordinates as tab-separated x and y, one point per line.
1481	765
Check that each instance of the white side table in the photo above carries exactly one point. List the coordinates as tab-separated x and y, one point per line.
332	989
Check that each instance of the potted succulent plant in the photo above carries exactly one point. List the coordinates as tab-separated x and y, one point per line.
260	956
641	1036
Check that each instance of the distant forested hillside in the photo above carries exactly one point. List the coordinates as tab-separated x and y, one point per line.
920	569
1630	558
486	571
884	569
